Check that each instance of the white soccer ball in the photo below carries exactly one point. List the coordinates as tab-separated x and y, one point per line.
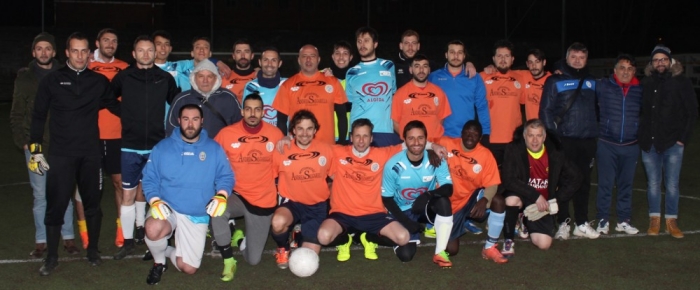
303	262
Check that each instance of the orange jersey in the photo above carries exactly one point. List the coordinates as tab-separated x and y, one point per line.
428	105
110	125
317	94
302	172
250	156
533	93
469	170
236	83
504	93
357	182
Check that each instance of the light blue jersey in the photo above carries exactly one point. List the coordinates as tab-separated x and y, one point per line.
267	95
405	182
370	87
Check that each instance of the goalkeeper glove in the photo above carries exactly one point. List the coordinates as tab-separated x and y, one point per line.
37	163
217	205
160	210
533	214
553	206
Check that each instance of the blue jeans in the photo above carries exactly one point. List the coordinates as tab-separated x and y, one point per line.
669	162
38	183
616	166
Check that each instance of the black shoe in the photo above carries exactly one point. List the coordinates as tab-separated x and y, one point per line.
139	236
147	256
155	273
127	249
94	258
49	265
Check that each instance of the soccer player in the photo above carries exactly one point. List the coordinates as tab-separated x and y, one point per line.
475	180
411	195
370	86
420	100
187	180
72	95
302	172
144	89
313	91
249	146
243	72
342	58
267	82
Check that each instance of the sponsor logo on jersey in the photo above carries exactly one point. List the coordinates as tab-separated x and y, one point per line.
426	95
461	155
311	98
269	115
375	89
427	178
423	110
307	173
359	176
254	156
302	156
253	139
412	193
309	83
384	73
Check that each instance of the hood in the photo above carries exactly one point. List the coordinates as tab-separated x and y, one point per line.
205	65
676	68
552	140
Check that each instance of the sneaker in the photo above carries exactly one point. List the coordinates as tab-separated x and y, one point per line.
370	248
140	235
442	259
94	258
627	228
429	232
469	226
49	265
229	270
282	257
147	256
156	273
604	227
39	250
508	248
344	251
237	237
585	230
563	232
494	254
520	228
125	250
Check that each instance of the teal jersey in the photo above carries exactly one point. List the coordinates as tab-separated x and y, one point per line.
405	182
267	95
370	87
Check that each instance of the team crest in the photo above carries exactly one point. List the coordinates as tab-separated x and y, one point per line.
295	88
269	146
374	167
287	162
329	89
477	168
322	161
588	84
516	84
435	100
236	145
407	101
202	156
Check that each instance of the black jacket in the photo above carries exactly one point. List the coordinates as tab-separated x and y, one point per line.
564	178
580	121
669	108
144	93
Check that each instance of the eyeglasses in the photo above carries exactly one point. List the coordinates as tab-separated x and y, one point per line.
658	60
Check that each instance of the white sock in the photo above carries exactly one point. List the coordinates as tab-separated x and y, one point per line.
140	213
127	217
443	228
170	252
157	249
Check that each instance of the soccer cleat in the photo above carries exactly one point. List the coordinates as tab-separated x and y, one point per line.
370	248
654	225
295	237
508	248
282	258
156	273
627	228
229	270
147	256
604	227
442	259
119	238
49	265
672	228
563	232
94	258
127	249
429	232
236	238
494	254
139	236
344	251
585	230
472	228
520	227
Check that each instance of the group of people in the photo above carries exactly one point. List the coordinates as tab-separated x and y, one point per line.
375	153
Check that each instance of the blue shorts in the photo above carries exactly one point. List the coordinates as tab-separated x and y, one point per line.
132	168
385	139
309	216
462	215
425	216
371	223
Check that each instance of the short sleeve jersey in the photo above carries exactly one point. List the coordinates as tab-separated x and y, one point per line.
405	182
250	156
236	83
428	105
357	182
504	94
469	170
317	94
370	87
110	125
302	172
268	97
533	93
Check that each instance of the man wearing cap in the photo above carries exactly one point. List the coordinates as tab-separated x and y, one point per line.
669	111
26	84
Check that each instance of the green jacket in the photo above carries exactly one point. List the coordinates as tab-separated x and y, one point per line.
26	85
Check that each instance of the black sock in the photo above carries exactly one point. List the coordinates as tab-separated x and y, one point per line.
341	239
380	240
226	251
509	222
282	240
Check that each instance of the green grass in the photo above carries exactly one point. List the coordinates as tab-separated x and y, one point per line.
629	262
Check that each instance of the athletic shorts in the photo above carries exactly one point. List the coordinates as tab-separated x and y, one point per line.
111	155
463	214
385	139
190	237
425	215
546	225
371	223
132	168
309	216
